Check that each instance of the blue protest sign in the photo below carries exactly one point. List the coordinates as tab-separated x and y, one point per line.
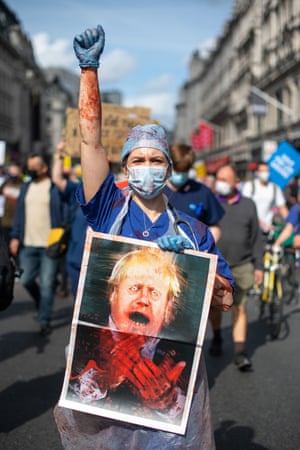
284	164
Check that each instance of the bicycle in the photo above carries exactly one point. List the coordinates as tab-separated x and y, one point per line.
290	262
291	274
272	288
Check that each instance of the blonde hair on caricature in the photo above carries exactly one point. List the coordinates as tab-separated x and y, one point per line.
164	264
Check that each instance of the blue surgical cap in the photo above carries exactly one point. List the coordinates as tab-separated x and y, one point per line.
148	136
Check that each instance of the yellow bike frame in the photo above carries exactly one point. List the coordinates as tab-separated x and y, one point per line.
270	269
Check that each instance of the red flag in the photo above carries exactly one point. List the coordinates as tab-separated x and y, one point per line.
196	141
203	137
206	132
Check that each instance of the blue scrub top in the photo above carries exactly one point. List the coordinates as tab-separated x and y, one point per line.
196	200
103	209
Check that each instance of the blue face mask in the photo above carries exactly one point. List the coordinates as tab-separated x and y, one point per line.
147	181
179	178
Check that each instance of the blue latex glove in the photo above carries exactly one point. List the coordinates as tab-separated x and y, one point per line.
173	243
88	46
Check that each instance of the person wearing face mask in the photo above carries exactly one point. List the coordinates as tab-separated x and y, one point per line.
191	196
78	223
39	208
143	214
267	197
241	245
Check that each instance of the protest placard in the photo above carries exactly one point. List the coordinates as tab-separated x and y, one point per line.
129	362
117	121
284	164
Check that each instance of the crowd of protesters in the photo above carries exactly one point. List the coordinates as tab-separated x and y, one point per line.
202	198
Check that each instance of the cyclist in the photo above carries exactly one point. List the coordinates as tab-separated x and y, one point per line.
291	228
267	196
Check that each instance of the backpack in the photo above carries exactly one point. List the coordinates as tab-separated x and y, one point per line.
7	274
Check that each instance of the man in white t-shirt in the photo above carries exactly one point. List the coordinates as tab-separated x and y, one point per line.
267	196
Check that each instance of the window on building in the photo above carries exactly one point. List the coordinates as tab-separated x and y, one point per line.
298	91
279	98
290	9
288	98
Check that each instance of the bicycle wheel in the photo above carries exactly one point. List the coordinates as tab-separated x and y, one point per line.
262	309
289	285
276	308
290	277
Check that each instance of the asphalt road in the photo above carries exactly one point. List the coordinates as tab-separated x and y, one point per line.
258	410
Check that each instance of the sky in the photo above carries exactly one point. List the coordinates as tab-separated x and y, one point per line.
148	44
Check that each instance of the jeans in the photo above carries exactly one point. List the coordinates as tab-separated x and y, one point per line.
36	264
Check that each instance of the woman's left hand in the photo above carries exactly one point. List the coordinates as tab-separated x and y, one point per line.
173	243
222	294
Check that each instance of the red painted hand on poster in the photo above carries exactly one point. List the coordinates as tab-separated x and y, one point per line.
121	360
154	384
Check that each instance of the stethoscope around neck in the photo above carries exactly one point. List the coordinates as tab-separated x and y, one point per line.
177	220
174	217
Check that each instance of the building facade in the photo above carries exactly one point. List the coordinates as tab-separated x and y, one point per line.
33	101
21	87
248	89
61	93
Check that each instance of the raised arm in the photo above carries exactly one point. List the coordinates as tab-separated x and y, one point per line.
88	47
58	167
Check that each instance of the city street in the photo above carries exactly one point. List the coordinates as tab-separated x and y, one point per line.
258	410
